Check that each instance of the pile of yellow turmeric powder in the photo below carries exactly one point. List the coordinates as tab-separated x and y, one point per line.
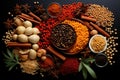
82	36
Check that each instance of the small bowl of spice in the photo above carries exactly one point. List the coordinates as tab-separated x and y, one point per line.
54	9
101	60
63	36
98	43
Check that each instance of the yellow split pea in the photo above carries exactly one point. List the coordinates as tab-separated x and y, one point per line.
82	35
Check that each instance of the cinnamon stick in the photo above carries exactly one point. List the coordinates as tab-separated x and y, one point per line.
16	44
33	15
88	18
56	53
100	29
32	20
86	24
23	14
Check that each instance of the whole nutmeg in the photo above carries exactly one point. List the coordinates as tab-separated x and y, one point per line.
36	31
32	54
35	46
28	31
20	29
93	32
14	37
22	38
27	24
34	38
18	22
43	58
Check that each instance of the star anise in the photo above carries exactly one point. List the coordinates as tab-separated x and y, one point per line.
17	9
26	8
9	23
39	9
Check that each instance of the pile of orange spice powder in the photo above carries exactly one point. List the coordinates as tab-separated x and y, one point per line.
45	27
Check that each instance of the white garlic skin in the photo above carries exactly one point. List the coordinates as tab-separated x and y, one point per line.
32	54
20	29
15	37
28	31
36	31
35	46
34	38
27	24
18	22
22	38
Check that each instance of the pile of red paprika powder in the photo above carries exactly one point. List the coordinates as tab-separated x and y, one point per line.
45	27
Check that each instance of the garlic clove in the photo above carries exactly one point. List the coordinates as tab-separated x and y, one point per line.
35	46
22	38
27	24
32	54
34	38
20	29
28	31
36	31
14	37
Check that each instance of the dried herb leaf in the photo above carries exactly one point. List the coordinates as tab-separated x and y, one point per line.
84	72
90	70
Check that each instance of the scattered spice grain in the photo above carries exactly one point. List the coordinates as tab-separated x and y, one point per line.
104	17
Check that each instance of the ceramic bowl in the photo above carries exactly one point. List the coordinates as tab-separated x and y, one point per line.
98	43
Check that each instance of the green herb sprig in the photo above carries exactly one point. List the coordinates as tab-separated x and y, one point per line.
11	60
84	66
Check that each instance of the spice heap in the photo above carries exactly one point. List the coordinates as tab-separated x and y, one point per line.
103	16
98	43
54	9
82	36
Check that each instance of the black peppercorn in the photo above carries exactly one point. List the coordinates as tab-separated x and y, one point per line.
63	36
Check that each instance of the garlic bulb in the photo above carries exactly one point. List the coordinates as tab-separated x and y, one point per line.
28	31
22	38
32	54
17	21
15	37
35	46
34	38
20	29
36	31
27	24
